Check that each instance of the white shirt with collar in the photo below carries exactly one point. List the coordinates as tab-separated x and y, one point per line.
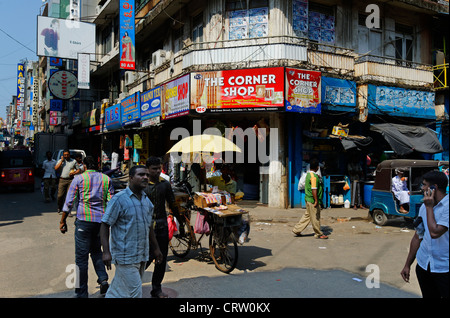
435	251
49	168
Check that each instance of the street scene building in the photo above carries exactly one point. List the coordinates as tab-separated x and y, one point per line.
349	83
298	67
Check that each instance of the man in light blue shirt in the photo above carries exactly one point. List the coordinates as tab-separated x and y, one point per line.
129	215
430	243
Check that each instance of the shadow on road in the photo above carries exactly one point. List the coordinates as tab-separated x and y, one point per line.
286	283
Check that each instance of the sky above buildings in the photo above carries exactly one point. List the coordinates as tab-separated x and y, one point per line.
18	19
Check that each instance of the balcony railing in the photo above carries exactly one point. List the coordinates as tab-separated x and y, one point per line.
393	71
267	51
440	73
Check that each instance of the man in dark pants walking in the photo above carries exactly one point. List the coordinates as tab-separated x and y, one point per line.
159	191
93	191
429	245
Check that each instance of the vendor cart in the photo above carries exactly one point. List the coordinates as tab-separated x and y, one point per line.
216	219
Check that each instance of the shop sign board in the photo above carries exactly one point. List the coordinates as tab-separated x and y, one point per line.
151	104
175	98
258	89
398	101
338	92
112	117
127	34
56	105
131	109
151	122
55	118
20	85
303	91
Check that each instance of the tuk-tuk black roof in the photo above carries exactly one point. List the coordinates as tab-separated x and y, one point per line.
406	163
384	170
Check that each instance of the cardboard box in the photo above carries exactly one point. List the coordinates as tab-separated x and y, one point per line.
202	201
339	131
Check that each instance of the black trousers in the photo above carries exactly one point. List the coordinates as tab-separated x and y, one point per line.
432	285
162	237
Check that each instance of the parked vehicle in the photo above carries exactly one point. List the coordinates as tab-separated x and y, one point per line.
16	169
44	142
59	153
383	204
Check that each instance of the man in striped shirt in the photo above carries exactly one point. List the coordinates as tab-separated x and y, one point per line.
93	191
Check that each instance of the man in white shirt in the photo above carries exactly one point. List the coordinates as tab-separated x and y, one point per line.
430	244
49	177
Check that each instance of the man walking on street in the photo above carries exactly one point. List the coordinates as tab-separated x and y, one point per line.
129	215
93	190
313	197
430	243
68	169
159	192
49	177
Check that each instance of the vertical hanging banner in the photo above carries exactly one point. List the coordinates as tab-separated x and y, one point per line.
127	30
20	85
303	91
83	71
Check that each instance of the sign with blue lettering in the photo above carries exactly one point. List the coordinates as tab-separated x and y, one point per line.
131	109
151	103
56	105
112	117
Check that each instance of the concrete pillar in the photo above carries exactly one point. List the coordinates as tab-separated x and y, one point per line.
278	191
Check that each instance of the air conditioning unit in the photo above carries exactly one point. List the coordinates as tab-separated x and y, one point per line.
158	58
130	77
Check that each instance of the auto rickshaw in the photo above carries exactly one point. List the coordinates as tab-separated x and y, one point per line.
383	203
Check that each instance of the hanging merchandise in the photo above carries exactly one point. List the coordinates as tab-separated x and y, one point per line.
126	154
135	155
137	141
128	142
121	142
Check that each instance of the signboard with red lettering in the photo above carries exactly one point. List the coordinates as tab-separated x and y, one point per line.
257	89
175	98
303	91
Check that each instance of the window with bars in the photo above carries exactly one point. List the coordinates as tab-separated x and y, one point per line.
197	28
247	19
404	42
313	21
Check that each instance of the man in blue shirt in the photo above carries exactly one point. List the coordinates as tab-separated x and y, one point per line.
129	215
430	244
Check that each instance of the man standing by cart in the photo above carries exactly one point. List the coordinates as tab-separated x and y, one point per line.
159	192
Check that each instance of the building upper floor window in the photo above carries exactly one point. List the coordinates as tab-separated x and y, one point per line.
369	39
313	21
197	28
403	42
248	18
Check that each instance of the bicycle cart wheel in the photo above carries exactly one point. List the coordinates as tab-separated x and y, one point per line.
181	245
223	249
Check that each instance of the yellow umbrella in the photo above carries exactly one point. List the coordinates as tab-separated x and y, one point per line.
204	143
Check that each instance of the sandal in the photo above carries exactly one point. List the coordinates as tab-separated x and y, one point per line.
323	236
160	295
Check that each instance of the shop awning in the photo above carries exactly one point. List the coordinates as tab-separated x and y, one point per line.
358	142
405	139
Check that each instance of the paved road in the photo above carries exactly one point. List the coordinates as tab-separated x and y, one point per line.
34	257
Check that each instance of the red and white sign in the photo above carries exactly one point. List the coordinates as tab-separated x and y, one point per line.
255	89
